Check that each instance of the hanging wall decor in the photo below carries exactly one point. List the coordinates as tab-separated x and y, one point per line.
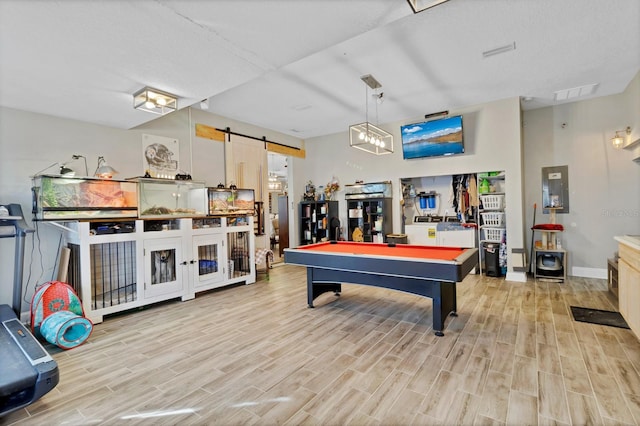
160	156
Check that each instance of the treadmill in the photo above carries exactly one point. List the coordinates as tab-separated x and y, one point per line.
27	371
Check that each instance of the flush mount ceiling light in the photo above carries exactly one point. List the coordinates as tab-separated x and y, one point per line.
366	136
618	140
155	101
420	5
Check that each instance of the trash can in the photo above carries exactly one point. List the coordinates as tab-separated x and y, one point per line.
492	259
397	238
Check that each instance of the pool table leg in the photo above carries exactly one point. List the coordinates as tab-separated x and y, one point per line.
316	289
444	303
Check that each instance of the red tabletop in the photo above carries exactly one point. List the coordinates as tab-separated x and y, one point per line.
377	249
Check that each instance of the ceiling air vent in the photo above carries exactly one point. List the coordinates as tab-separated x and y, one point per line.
576	92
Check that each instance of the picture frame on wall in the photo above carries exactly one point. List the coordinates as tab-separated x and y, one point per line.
160	156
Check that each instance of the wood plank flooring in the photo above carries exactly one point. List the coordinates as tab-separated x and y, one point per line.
257	355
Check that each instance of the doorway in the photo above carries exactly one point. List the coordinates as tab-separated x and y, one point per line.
278	218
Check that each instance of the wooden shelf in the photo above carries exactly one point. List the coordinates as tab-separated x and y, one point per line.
632	145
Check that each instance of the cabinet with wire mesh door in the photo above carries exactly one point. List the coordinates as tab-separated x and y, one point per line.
119	265
240	253
209	258
103	265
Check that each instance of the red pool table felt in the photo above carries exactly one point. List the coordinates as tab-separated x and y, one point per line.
377	249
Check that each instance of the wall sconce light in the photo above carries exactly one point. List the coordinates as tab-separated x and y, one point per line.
155	101
104	170
366	136
618	140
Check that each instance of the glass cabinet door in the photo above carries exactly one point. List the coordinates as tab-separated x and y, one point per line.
209	267
163	269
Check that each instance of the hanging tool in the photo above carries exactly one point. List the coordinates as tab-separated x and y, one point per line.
532	238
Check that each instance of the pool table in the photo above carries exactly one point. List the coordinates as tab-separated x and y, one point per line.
423	270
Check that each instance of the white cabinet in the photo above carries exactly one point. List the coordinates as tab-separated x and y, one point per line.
240	249
460	238
209	261
163	267
105	265
116	266
424	234
429	234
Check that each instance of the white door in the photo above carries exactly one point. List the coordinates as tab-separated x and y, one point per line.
163	269
209	260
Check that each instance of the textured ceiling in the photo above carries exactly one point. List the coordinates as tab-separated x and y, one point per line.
294	66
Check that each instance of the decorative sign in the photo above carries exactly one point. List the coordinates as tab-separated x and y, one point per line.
160	156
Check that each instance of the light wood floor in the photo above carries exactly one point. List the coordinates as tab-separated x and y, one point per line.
257	355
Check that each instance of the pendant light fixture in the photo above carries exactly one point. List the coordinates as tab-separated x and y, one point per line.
366	136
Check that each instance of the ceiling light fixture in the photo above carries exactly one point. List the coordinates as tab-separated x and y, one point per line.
366	136
155	101
420	5
618	140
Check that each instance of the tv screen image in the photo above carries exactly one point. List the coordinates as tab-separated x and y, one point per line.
433	138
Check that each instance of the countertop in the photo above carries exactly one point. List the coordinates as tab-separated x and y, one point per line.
632	241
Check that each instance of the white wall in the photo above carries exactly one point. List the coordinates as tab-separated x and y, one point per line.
604	183
442	186
30	142
492	134
605	190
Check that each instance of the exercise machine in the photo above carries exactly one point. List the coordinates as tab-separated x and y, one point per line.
27	371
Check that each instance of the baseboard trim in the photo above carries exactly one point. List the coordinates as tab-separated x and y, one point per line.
520	277
578	271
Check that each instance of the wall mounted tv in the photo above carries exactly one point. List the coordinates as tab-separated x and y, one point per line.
433	138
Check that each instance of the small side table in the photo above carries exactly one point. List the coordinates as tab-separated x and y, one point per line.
612	274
